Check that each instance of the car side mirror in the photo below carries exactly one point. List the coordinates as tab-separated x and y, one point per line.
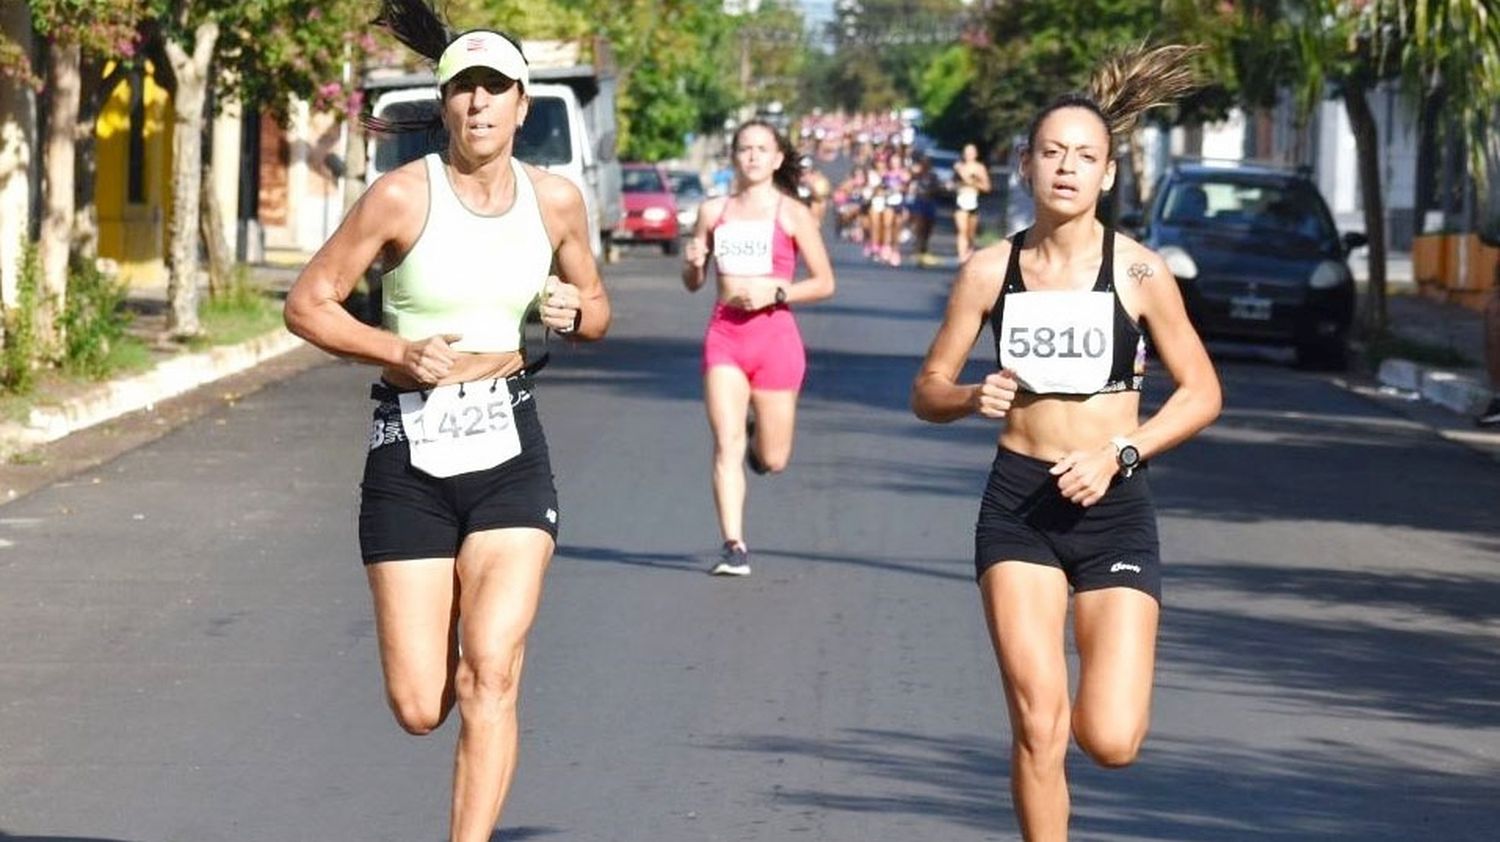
1353	240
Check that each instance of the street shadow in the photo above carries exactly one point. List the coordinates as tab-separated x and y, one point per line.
9	838
611	555
1218	791
1195	791
906	477
959	570
514	834
1338	667
1472	599
956	570
957	779
1393	478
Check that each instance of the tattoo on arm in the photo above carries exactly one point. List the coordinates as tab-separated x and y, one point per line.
1139	272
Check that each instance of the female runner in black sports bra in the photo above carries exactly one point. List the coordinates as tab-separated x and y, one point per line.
1067	507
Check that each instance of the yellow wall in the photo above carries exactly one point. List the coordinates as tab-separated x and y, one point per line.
134	234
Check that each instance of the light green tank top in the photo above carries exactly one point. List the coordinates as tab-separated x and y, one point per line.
470	274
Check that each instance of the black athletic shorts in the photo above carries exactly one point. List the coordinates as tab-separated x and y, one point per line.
407	514
1024	517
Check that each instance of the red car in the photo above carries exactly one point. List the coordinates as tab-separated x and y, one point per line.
650	208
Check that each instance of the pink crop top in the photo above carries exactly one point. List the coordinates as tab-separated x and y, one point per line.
753	246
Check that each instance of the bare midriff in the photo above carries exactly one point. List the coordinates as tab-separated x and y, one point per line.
467	368
1047	427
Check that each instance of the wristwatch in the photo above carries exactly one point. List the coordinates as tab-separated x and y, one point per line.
1127	455
780	294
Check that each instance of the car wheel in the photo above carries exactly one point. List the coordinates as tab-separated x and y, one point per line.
670	246
1327	354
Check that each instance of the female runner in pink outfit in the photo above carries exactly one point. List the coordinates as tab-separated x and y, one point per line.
752	351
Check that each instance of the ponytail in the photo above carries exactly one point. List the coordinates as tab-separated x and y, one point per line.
415	24
1127	85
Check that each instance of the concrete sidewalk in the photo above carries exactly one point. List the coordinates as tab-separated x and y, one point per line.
172	374
1460	386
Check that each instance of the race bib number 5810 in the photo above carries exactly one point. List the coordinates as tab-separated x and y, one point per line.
1059	342
459	429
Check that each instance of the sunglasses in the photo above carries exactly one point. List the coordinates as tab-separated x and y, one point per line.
470	80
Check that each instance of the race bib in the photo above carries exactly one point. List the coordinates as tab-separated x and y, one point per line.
1058	342
743	248
459	428
968	200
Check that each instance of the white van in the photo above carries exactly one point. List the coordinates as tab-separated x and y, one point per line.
557	137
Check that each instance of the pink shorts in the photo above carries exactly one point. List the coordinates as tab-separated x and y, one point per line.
764	344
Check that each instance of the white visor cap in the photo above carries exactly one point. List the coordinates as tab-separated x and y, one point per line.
482	48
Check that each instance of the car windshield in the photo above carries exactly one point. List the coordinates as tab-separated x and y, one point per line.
1285	208
642	180
543	140
686	184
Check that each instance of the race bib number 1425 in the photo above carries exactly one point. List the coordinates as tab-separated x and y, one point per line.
459	429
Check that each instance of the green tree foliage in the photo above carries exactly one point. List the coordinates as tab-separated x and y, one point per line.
882	52
677	59
99	26
1039	49
945	95
1437	48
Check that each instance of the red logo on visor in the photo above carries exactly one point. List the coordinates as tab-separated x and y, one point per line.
475	44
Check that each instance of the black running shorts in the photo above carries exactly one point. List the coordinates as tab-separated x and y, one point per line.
406	514
1024	517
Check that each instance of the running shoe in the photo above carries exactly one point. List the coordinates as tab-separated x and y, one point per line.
1491	416
734	560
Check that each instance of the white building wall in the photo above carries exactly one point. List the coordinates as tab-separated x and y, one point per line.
1226	140
1337	163
225	170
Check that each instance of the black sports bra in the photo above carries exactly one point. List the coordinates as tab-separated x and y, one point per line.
1128	366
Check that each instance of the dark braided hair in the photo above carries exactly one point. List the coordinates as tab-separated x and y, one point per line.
789	174
415	24
1128	84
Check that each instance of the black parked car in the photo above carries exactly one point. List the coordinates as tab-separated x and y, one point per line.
1256	254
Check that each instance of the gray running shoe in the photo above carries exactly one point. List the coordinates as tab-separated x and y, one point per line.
734	560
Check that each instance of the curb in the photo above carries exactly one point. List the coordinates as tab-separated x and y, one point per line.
1457	391
169	379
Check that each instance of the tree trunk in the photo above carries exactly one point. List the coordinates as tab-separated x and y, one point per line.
187	176
1367	151
96	88
57	215
220	263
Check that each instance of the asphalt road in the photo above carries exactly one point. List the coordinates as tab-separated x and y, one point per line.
187	652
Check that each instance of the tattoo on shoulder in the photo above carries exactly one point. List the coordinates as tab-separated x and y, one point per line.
1139	272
